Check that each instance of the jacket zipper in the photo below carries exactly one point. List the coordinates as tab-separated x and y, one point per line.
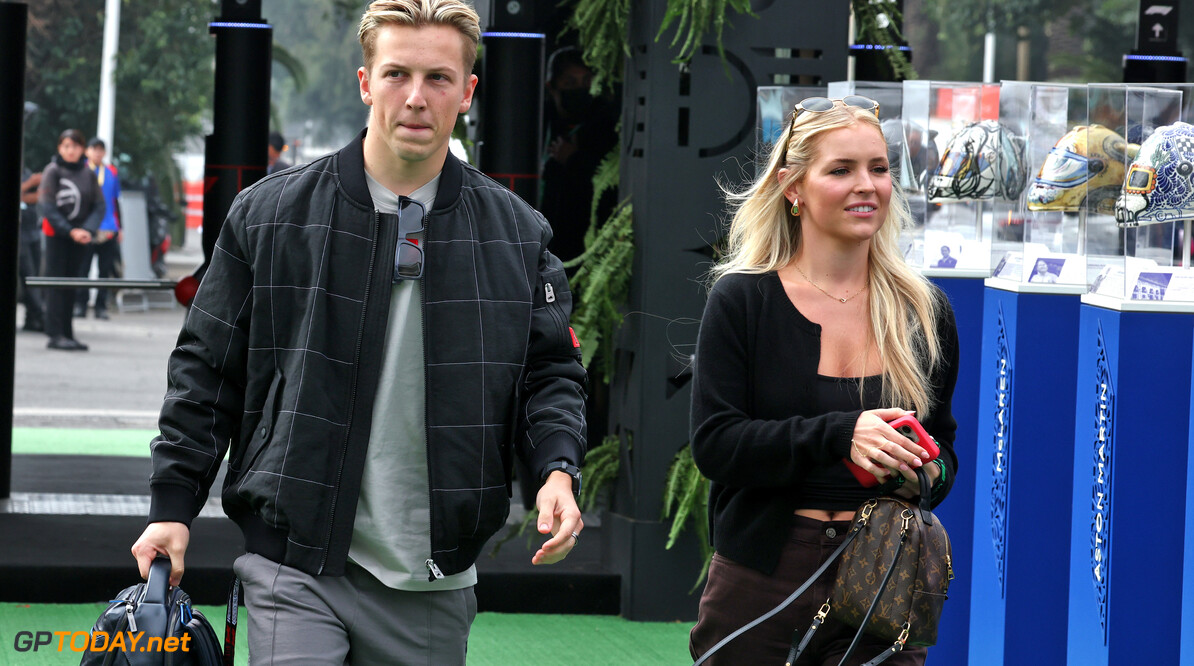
352	400
433	570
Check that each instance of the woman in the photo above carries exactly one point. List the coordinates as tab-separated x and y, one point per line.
815	335
72	204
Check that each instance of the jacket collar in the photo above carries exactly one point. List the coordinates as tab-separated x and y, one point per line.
352	175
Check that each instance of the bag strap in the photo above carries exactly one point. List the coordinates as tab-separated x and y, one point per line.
907	514
786	602
926	496
230	617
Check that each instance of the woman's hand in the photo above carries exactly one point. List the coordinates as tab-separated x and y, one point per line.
911	487
880	450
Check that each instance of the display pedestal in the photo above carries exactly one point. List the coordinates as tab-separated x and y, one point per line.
1022	485
1129	479
957	511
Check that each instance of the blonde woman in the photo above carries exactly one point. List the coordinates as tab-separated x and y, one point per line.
815	335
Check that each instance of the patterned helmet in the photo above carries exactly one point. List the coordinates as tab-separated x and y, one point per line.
983	160
1086	164
1160	183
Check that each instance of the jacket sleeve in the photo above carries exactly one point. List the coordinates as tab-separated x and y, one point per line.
204	402
941	424
551	417
730	444
47	203
99	207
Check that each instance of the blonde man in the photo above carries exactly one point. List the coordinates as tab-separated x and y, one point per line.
379	331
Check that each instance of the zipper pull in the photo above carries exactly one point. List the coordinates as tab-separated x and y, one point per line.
128	609
436	574
550	292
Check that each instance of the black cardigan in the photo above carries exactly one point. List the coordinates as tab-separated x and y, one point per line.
755	429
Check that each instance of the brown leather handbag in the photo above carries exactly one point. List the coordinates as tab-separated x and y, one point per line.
892	580
894	575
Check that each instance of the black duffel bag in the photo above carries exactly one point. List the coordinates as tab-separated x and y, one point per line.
153	624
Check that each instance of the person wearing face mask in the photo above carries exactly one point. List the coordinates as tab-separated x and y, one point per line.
580	133
72	207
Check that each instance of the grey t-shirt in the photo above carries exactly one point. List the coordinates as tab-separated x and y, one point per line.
391	537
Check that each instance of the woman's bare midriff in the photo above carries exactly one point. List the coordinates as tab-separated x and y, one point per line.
824	515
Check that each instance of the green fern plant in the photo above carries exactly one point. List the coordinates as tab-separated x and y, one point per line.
602	279
687	496
601	27
600	470
694	18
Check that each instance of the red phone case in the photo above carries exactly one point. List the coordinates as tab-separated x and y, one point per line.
909	427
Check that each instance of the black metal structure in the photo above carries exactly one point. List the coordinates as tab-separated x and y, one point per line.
13	19
1156	58
682	127
510	94
235	153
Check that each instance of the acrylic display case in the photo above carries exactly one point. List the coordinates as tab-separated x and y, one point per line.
775	105
1041	231
955	152
1138	255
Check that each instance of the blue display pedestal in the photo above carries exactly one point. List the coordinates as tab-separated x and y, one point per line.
957	511
1131	436
1022	481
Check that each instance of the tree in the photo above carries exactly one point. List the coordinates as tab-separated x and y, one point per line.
163	78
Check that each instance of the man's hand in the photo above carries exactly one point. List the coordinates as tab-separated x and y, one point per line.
559	516
170	539
80	236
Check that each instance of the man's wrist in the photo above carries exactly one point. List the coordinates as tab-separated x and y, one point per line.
565	469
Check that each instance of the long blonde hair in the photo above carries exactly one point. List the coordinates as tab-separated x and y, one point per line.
764	236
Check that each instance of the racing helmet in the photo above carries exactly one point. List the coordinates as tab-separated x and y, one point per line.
983	160
1086	163
1160	183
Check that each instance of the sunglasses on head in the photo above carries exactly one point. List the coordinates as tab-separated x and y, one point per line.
408	257
823	104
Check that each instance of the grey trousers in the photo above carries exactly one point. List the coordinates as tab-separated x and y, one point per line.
296	618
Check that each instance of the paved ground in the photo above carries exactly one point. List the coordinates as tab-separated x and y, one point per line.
120	381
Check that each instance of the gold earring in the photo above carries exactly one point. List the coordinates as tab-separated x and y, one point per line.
795	208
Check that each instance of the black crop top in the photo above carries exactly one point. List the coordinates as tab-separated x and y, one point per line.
832	487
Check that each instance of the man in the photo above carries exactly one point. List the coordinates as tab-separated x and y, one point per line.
277	146
29	260
374	368
946	261
581	130
105	245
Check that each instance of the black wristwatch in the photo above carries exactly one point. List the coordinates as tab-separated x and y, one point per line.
571	470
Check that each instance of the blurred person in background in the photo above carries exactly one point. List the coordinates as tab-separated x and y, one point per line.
105	243
29	263
71	204
277	146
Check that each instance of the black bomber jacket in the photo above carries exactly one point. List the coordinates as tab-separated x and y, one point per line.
278	362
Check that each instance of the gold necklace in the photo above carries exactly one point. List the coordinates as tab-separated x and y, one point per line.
815	286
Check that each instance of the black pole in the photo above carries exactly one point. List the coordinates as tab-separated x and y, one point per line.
512	78
235	155
13	17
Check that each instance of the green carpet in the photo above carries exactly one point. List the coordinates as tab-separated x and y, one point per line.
78	442
497	639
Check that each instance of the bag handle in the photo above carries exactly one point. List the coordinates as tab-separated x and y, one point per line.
157	586
926	496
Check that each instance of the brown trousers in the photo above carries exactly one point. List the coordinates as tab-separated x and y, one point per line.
735	595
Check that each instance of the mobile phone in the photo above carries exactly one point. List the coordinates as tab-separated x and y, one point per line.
909	427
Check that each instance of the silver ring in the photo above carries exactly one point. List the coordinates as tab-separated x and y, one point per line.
575	538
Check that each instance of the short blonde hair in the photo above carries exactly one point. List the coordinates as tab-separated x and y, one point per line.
419	13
